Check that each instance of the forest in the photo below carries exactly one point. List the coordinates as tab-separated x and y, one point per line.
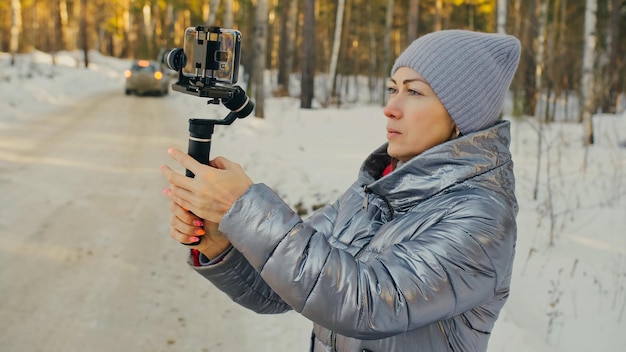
572	63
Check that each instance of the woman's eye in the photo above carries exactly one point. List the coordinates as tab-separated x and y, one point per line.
391	90
414	92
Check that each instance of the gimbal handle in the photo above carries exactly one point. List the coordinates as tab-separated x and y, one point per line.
201	130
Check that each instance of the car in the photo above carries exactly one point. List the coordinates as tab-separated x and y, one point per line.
146	77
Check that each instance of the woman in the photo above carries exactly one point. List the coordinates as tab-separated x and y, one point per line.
417	253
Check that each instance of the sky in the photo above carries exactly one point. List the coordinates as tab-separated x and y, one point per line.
568	289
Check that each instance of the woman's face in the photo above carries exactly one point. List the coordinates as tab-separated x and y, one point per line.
416	119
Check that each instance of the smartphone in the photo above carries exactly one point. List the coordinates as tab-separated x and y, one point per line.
212	54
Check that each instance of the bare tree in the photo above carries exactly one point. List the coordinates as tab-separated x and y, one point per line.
438	15
16	29
414	17
611	85
308	55
387	43
260	44
373	73
289	12
586	85
84	36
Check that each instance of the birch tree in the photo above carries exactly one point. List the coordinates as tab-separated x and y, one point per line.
332	71
539	54
209	11
229	21
502	15
539	66
586	85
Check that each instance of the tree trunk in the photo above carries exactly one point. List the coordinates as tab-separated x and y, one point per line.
260	44
502	16
539	56
148	28
387	45
289	12
212	16
438	15
332	71
563	83
587	83
16	29
373	67
84	36
229	21
64	24
308	57
516	85
529	38
414	17
611	85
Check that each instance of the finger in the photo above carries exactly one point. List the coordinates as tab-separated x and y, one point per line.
185	228
182	238
185	160
176	178
222	163
185	216
176	198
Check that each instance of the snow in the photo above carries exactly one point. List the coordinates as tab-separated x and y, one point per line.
569	283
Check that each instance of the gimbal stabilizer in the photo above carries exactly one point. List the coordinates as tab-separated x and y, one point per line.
205	86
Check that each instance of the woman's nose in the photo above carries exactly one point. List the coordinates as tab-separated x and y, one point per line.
393	109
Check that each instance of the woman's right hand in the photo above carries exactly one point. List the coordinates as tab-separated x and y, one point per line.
188	228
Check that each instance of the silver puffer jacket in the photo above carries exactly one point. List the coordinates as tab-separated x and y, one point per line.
417	260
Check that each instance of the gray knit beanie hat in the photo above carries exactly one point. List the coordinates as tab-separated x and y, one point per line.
469	71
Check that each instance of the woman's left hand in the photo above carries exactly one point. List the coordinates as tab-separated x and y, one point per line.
212	191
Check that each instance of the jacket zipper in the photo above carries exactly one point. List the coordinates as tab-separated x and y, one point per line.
367	191
365	205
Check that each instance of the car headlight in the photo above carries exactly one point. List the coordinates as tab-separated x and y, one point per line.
158	75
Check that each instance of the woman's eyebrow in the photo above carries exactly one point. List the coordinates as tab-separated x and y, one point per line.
407	81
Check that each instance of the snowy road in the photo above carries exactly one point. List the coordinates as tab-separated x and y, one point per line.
87	262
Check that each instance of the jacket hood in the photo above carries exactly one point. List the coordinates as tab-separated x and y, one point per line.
439	167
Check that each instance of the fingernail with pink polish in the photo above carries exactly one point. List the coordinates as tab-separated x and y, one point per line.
166	191
198	223
194	239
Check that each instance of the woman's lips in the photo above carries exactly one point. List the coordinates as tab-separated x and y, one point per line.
391	133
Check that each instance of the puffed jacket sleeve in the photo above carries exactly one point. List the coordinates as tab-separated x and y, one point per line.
244	285
451	267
